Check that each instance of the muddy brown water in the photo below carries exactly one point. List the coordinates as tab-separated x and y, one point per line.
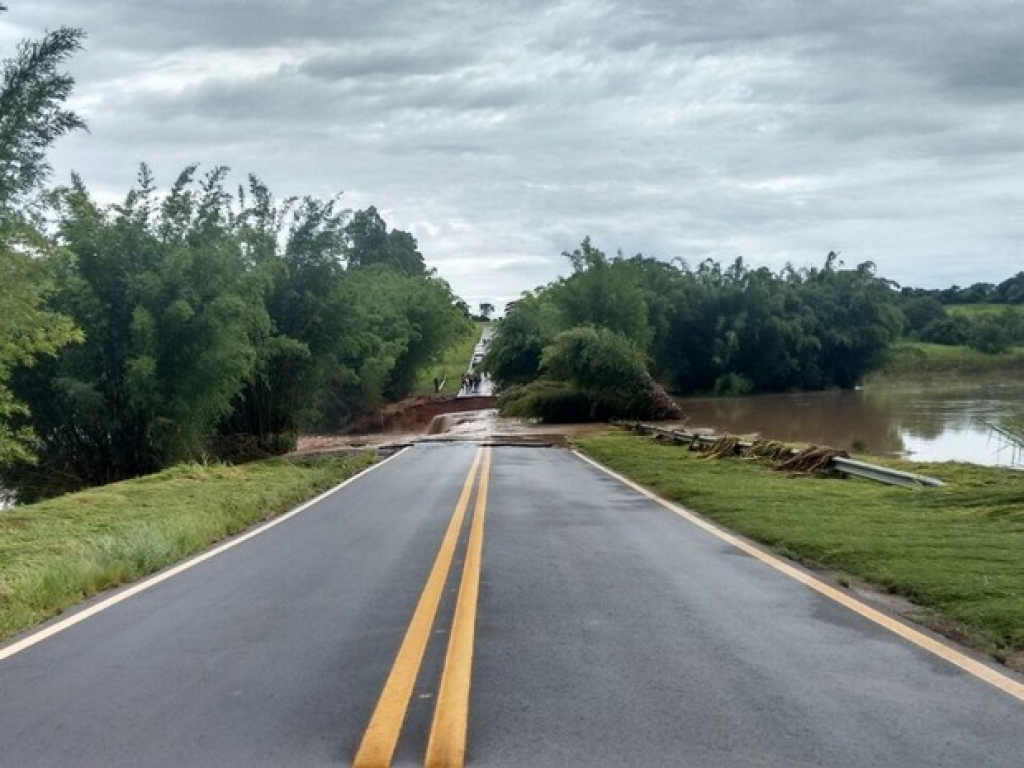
923	422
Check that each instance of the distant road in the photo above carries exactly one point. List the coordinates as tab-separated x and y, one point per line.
562	619
483	386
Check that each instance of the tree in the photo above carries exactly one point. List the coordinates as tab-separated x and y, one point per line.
32	115
853	318
587	374
952	330
991	335
32	92
727	330
205	315
371	244
920	312
605	364
27	331
486	310
514	354
368	328
1011	291
171	312
602	293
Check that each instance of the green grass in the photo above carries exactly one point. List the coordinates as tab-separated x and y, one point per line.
957	550
984	310
453	364
913	358
56	553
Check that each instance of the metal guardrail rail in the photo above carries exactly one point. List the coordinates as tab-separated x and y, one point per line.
846	466
883	474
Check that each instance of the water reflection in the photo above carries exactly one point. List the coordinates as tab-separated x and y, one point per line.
923	422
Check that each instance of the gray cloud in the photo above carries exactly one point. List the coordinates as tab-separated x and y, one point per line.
501	133
382	63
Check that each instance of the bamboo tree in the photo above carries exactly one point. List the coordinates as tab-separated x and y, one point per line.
32	117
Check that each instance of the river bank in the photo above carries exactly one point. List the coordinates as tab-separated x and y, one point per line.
925	419
930	402
915	359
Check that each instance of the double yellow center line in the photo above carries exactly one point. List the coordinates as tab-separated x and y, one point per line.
446	746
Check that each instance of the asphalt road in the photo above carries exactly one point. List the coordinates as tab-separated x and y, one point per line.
602	630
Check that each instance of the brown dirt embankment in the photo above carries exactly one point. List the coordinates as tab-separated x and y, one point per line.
395	423
415	413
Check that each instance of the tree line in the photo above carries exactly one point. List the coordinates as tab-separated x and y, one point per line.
198	321
993	328
1010	291
710	329
717	329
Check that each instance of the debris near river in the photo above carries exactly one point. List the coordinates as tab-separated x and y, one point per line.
727	445
786	458
768	450
814	458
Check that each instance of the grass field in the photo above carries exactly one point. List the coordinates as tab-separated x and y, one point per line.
58	552
956	551
984	310
451	365
919	358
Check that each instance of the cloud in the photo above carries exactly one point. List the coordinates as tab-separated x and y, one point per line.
392	61
502	133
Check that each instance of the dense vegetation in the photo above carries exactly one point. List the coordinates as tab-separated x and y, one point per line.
729	331
32	92
991	328
192	323
1010	291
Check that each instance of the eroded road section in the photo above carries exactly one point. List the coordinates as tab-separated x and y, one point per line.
500	606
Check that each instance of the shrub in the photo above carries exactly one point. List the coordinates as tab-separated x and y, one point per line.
553	402
590	374
952	330
990	335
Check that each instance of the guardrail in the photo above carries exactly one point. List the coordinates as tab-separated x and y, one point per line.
883	474
846	466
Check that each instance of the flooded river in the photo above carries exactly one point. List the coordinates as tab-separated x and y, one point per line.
921	422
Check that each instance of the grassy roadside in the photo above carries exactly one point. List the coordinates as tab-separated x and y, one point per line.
451	365
58	552
915	358
956	551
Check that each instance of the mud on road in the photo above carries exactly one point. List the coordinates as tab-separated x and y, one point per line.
435	419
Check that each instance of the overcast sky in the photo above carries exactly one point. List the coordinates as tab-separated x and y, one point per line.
502	133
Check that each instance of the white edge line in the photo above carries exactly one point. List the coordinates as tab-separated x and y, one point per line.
957	658
152	581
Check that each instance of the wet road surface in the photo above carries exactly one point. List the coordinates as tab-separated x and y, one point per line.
506	606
